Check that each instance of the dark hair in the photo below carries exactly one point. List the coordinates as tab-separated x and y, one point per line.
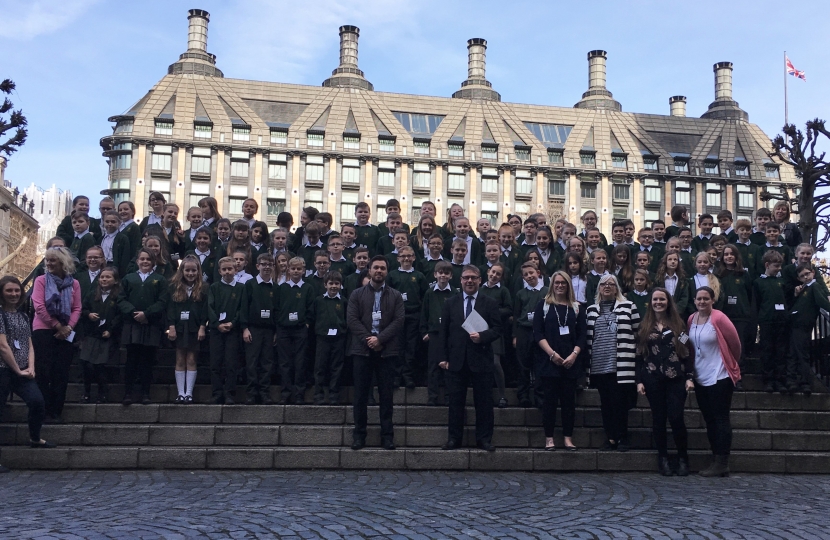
333	275
772	256
325	217
78	198
725	214
393	203
5	280
701	217
285	219
677	212
116	287
378	258
739	263
707	290
149	254
211	203
804	266
674	321
658	221
763	212
443	266
310	212
266	238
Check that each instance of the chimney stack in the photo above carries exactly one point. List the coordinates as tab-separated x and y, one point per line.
347	74
597	96
724	107
678	105
477	86
196	60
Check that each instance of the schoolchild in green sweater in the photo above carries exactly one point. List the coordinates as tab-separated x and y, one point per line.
492	257
773	233
494	287
330	333
803	255
736	296
143	301
386	243
361	262
87	277
187	319
510	254
309	250
759	234
322	266
101	321
224	299
524	306
434	299
640	293
750	253
296	309
459	253
257	318
671	276
773	320
435	248
809	299
367	234
400	240
339	262
413	286
205	254
82	239
599	263
348	232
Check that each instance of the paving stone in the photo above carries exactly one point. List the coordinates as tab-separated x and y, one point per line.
190	414
186	435
172	458
240	458
261	414
307	458
247	435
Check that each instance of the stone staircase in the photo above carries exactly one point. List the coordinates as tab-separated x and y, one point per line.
772	433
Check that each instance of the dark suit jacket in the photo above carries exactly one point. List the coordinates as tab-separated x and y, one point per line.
456	345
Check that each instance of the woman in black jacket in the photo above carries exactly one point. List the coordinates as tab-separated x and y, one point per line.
560	330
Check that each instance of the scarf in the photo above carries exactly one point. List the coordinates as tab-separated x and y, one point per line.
58	297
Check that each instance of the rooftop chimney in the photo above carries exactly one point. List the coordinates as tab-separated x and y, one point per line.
196	60
477	86
724	107
597	96
678	105
347	74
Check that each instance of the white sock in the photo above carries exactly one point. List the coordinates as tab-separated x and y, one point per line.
191	382
180	382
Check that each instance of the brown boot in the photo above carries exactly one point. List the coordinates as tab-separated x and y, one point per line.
720	467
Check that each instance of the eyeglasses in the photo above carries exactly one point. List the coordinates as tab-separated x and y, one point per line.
607	284
469	278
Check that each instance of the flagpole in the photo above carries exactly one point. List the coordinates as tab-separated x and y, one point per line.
786	107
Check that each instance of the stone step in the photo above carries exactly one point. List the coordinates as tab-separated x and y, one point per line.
747	400
291	435
589	415
137	457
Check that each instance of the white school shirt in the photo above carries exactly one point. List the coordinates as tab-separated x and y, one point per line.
106	245
670	283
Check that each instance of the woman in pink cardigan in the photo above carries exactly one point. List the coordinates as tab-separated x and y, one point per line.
716	348
57	300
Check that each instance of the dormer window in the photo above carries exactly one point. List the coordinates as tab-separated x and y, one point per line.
202	131
351	142
742	169
455	149
164	128
711	167
681	165
315	139
279	136
522	153
489	151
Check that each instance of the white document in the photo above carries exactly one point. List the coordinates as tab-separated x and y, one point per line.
474	323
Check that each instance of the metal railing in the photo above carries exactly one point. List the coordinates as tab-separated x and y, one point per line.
820	348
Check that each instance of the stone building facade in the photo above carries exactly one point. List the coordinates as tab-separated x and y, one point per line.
18	230
197	133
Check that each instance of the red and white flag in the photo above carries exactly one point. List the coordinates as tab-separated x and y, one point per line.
794	72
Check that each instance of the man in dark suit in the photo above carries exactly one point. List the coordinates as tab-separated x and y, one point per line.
468	358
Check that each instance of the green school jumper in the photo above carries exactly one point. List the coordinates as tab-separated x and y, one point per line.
293	299
431	309
344	266
224	299
412	286
751	257
79	246
736	295
208	265
368	236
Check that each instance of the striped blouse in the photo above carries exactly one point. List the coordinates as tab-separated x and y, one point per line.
628	321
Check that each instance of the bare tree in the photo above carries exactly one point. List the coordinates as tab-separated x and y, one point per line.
812	202
16	123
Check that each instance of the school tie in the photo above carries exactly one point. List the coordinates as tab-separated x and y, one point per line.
469	306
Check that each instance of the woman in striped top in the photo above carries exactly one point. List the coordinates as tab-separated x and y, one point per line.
612	325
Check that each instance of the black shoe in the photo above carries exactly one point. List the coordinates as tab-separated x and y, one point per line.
388	444
608	446
397	382
179	400
44	444
663	466
229	400
102	398
334	399
769	388
357	445
266	400
371	402
4	469
250	401
503	403
623	446
682	467
128	400
409	383
806	390
792	388
739	387
299	401
487	447
217	400
188	400
782	389
451	445
145	400
86	398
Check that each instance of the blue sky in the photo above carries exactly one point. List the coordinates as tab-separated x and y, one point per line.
77	62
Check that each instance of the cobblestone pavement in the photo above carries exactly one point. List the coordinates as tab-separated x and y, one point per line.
396	504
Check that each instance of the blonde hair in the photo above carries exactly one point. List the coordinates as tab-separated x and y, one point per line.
714	282
551	296
64	257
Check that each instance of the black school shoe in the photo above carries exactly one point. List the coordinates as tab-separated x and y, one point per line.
44	444
4	469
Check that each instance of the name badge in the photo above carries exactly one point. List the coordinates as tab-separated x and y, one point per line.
186	316
564	330
204	276
223	316
439	320
293	317
376	315
265	313
683	338
779	307
332	331
102	322
403	295
530	316
17	345
732	299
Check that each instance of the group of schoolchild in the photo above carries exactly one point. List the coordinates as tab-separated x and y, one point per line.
277	301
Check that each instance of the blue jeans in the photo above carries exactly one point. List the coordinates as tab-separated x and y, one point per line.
29	392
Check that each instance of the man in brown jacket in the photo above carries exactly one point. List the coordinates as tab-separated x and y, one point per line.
375	319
